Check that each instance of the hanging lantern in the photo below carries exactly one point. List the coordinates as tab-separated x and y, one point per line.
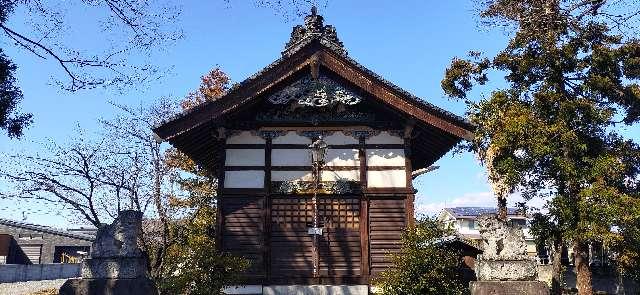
318	151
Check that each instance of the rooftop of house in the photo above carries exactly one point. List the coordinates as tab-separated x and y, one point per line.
474	212
82	233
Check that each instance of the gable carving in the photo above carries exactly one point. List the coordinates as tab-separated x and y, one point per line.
315	101
319	92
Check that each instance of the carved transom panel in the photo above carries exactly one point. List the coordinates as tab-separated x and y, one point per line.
319	92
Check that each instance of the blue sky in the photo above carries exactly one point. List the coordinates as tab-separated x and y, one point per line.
409	44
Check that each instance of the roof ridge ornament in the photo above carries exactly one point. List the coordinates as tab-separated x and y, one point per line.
313	29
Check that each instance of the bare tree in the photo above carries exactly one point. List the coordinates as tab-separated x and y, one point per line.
124	169
81	175
134	127
125	32
128	26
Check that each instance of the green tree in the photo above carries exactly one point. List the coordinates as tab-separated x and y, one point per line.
548	236
10	96
425	263
195	266
572	82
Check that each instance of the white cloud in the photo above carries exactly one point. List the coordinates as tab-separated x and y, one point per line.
475	199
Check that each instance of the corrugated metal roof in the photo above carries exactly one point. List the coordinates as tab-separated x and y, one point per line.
477	211
46	229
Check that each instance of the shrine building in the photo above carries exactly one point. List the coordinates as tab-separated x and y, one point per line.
315	156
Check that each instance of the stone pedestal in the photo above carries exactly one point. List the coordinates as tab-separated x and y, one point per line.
508	288
114	268
505	270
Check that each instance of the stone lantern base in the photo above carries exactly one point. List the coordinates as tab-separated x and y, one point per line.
508	288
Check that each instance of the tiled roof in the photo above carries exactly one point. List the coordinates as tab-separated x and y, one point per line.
477	211
46	229
327	44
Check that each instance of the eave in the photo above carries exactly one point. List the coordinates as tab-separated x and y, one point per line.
315	52
193	131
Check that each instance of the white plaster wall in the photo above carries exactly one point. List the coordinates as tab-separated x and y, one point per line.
290	157
338	137
342	157
245	137
244	179
387	178
352	175
291	175
291	138
385	157
244	157
385	138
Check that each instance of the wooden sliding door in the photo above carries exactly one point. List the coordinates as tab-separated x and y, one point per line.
292	246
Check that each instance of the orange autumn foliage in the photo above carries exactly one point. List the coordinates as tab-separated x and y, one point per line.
213	85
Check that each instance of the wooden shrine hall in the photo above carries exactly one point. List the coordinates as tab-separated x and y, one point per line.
315	156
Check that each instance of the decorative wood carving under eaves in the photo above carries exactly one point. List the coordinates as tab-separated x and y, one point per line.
319	92
338	187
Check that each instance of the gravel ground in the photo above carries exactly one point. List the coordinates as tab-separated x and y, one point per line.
25	288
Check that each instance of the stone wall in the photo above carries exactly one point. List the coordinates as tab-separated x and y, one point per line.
30	288
10	273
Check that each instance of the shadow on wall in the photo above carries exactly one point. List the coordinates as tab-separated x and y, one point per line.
242	233
291	254
11	273
12	252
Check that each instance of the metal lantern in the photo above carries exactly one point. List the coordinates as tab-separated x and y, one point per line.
318	151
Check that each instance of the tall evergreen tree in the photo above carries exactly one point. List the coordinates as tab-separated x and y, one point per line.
554	131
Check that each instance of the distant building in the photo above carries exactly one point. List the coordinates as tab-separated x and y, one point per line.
25	243
463	221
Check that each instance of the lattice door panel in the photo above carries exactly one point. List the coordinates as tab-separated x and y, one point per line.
339	246
341	213
292	246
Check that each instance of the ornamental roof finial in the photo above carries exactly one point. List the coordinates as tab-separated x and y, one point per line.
314	29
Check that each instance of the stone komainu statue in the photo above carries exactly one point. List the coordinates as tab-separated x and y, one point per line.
116	264
119	239
502	241
504	267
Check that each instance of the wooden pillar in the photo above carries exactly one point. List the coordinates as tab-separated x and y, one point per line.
364	211
410	199
221	174
266	220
